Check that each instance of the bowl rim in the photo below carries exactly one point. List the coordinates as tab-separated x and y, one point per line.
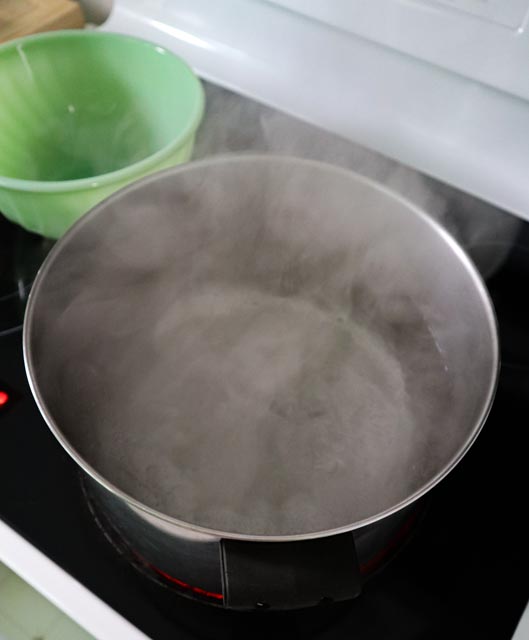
131	170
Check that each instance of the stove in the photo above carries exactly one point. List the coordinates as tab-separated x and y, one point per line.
464	567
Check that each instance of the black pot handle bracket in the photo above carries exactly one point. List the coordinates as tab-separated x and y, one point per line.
289	575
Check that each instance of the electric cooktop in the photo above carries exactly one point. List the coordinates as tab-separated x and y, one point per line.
463	571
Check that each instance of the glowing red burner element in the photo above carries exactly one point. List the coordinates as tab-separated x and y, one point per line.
198	590
4	398
184	585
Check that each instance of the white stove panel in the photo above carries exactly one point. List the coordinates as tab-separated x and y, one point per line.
485	40
509	13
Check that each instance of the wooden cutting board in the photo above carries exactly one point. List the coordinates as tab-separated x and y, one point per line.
23	17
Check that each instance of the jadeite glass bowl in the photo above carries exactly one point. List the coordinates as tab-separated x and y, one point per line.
82	114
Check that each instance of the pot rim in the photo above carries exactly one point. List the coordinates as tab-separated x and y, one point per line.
216	533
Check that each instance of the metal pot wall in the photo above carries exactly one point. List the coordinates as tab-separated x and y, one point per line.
253	575
254	478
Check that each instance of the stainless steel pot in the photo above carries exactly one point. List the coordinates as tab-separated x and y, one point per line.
260	363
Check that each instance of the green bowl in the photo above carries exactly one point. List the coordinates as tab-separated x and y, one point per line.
83	113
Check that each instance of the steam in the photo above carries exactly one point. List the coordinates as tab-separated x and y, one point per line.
250	358
233	124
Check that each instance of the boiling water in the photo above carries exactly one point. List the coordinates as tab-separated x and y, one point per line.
261	414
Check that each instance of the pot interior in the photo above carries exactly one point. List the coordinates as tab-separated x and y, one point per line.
262	346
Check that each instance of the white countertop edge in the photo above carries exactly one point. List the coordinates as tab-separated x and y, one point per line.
522	630
62	590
